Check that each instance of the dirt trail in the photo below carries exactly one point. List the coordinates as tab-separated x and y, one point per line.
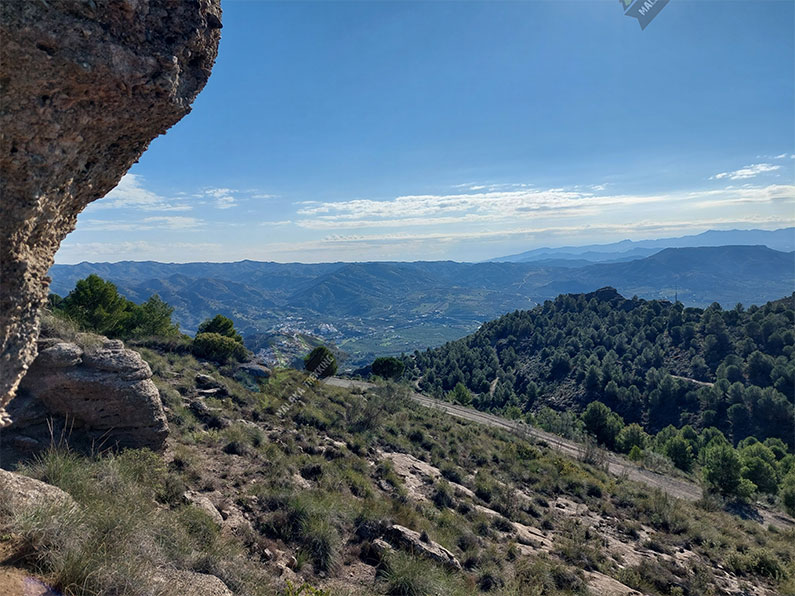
616	465
694	381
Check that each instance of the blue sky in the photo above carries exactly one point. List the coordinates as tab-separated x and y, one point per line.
464	130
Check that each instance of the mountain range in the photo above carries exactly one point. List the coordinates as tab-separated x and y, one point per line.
628	250
377	308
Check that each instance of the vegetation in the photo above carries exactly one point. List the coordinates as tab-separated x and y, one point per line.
321	361
220	325
388	367
307	487
647	376
96	306
219	348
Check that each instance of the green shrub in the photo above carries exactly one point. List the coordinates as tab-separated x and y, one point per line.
219	348
321	362
407	575
222	326
787	492
388	367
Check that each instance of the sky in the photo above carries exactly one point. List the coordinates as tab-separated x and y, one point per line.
360	131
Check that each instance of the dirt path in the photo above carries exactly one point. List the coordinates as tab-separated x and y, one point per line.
616	465
694	381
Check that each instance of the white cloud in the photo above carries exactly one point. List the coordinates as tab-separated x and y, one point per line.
174	222
130	193
223	197
745	195
747	172
479	207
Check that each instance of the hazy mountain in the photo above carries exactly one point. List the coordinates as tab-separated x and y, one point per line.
698	276
783	240
390	307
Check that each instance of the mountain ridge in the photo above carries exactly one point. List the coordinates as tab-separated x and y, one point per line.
782	239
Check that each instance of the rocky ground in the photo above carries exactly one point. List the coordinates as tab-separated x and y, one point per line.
362	490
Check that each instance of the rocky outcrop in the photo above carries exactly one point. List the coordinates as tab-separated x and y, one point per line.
98	397
418	544
85	86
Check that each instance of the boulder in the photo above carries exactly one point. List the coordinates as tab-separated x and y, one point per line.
101	397
18	492
86	85
207	382
204	503
177	582
409	540
253	369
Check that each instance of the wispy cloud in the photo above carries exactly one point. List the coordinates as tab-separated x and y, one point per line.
223	198
491	207
774	193
175	222
748	171
130	193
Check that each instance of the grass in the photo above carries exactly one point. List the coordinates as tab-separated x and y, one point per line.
119	535
314	484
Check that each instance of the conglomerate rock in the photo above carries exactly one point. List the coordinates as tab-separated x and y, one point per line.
85	85
97	398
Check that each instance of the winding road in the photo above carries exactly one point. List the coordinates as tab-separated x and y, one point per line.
616	465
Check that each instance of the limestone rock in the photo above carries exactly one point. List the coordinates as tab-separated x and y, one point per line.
85	86
207	382
407	539
204	503
179	582
18	492
103	396
255	370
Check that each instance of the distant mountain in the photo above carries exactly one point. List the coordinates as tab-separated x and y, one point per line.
391	307
782	240
698	276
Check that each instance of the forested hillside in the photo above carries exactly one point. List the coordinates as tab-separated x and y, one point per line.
655	363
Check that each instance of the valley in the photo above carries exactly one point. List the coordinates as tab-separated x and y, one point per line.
388	308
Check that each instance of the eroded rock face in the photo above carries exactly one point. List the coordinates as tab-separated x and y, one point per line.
84	87
97	398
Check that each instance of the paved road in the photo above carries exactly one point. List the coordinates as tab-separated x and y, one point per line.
616	464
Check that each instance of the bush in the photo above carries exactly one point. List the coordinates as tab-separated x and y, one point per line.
388	367
222	326
787	492
722	468
409	575
219	348
321	361
602	423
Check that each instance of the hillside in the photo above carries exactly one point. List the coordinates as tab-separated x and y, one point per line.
362	492
655	363
389	308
